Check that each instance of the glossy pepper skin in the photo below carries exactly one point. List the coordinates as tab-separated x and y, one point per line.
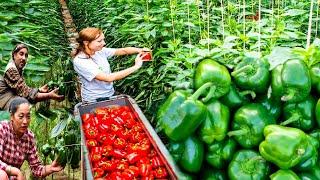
284	175
234	99
315	77
318	112
176	149
310	157
213	174
192	157
283	146
300	114
273	106
46	149
248	124
252	74
316	135
210	71
248	164
311	174
220	153
181	114
215	126
62	156
291	82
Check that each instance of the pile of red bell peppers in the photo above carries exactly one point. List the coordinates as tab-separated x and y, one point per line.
119	147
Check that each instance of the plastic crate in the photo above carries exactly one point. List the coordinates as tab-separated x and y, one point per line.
125	100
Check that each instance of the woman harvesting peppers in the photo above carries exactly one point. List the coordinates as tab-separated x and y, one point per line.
92	65
17	144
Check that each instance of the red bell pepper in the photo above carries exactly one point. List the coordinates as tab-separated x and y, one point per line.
160	172
133	157
119	143
106	150
137	137
109	139
108	165
103	127
122	165
91	143
98	172
143	160
145	169
95	154
137	128
156	162
150	177
86	117
91	133
116	175
119	153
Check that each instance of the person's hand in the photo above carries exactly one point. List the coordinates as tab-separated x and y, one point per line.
17	172
44	88
138	60
21	176
55	167
55	96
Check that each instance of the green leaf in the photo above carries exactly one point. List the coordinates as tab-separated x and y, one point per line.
60	126
279	55
4	115
294	12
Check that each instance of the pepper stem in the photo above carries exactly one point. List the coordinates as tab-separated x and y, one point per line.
252	93
289	96
242	70
292	119
237	132
250	164
210	94
200	91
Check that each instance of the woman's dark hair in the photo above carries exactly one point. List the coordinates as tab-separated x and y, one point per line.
17	48
16	102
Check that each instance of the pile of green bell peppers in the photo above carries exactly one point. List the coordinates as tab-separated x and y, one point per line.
245	122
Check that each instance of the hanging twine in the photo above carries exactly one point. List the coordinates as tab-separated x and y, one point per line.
310	25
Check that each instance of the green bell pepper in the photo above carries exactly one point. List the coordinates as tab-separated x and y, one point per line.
283	146
310	157
316	134
249	165
181	114
220	153
210	71
315	77
192	157
62	158
252	74
291	81
284	175
215	126
213	174
273	107
70	137
300	114
76	157
234	99
176	149
248	124
311	174
46	149
318	112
